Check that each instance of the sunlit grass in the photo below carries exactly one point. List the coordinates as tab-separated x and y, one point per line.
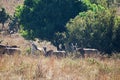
41	68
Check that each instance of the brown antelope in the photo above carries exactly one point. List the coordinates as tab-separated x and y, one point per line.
54	53
35	48
2	49
88	52
9	49
12	50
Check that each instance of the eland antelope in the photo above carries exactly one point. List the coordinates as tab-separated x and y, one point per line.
54	53
88	52
5	49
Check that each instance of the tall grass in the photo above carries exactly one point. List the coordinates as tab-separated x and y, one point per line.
21	67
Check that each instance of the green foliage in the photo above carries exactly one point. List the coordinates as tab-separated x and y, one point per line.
3	16
79	28
90	23
94	29
94	6
28	50
45	18
116	38
25	33
100	2
59	38
18	11
118	1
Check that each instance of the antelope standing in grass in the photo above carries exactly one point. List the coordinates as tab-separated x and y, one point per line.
54	53
5	49
88	52
85	52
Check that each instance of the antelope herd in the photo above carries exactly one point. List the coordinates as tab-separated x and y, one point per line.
6	49
84	52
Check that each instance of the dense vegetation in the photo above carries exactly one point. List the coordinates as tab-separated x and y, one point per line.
3	16
43	18
90	23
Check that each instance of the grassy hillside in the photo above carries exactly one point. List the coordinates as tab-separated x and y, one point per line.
31	67
21	67
10	5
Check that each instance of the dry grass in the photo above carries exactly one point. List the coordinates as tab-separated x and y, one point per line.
29	67
15	39
10	5
21	67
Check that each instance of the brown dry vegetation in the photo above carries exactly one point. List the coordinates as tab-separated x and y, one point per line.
10	5
18	40
21	67
31	67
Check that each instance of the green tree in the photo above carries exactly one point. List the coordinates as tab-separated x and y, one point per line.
94	29
80	28
100	2
3	17
116	38
47	17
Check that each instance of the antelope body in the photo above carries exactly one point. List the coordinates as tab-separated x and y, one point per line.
9	49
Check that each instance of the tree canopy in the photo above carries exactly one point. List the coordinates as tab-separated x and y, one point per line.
96	28
90	23
43	18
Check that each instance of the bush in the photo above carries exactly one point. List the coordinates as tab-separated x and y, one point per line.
95	30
